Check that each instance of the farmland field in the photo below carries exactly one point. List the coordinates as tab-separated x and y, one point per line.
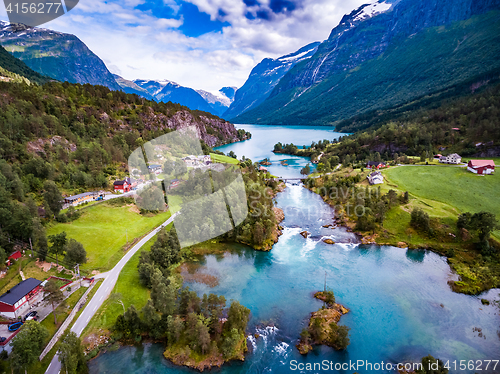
103	230
449	185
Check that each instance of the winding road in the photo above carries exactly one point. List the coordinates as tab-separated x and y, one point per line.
104	291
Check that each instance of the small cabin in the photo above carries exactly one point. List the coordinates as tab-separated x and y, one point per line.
376	178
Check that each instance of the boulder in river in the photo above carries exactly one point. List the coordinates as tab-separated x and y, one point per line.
305	234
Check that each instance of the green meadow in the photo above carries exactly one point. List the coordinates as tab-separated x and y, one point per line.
446	189
103	230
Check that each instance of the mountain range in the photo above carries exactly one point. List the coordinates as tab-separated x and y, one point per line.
264	77
385	54
64	57
57	55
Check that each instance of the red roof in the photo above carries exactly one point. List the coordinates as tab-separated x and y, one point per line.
15	255
481	163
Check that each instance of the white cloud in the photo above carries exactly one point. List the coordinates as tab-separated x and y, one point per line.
138	45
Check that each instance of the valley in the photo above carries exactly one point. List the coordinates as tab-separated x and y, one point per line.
339	205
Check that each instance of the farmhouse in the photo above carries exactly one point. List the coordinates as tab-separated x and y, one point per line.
451	159
16	301
481	167
376	178
375	165
174	183
81	198
121	186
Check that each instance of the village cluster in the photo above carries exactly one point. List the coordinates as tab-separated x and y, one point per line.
128	184
479	167
25	300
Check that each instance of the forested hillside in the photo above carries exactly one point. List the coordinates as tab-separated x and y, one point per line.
469	126
11	66
70	138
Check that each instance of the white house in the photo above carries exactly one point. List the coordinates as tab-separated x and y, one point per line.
451	159
376	178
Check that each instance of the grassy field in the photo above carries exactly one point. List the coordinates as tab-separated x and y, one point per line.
448	191
103	230
223	159
130	291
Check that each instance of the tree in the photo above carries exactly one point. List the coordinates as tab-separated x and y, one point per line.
27	345
237	316
58	242
40	239
258	233
232	154
306	170
484	223
180	168
339	336
75	253
52	197
53	296
149	316
71	354
168	167
329	297
305	336
419	219
3	256
229	343
203	337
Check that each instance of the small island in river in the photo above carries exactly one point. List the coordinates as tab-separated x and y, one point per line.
323	328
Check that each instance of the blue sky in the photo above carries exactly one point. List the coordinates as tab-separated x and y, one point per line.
204	44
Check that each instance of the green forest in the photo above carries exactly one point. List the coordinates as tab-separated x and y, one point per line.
468	126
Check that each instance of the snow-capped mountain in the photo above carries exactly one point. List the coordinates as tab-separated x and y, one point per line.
64	57
219	101
385	54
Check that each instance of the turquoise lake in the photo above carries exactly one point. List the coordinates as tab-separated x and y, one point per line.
401	307
265	137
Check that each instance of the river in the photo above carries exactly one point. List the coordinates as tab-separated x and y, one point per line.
401	305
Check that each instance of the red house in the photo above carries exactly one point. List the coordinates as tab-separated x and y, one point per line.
15	255
121	186
481	167
16	301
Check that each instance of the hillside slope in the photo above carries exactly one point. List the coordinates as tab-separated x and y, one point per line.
263	78
61	56
412	49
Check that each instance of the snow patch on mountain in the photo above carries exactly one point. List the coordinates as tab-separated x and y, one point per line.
370	10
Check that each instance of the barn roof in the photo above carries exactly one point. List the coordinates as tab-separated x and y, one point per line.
481	163
20	290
